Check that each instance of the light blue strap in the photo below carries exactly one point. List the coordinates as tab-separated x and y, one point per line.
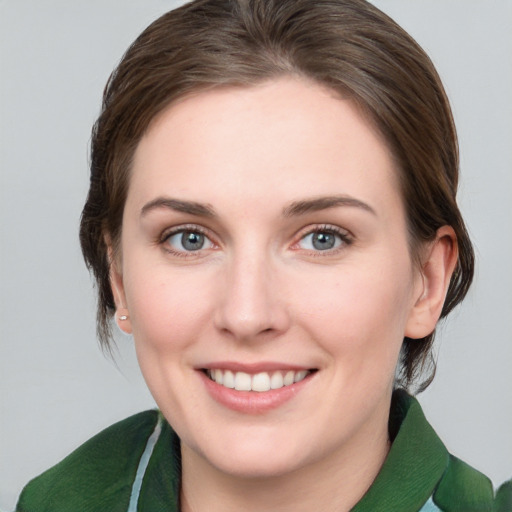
141	469
430	506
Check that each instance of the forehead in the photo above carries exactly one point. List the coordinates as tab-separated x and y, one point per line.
276	141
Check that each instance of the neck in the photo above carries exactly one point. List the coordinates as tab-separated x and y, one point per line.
335	483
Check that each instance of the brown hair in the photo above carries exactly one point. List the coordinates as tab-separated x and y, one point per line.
347	45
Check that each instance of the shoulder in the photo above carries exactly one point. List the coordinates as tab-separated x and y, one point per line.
426	474
463	488
503	500
98	475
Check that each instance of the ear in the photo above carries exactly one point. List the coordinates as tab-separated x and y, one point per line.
122	316
436	271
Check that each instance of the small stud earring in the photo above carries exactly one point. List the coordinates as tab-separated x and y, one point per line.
123	317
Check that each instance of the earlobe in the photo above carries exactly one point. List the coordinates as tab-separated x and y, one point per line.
123	320
436	272
122	315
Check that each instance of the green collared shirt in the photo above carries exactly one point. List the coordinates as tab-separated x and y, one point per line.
135	466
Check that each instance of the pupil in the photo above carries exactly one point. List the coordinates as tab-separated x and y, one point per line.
192	241
323	241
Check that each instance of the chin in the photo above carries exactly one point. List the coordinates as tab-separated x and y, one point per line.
259	466
263	456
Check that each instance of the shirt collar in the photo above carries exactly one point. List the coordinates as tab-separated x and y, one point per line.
415	464
411	471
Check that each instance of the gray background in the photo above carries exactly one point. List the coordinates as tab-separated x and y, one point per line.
57	389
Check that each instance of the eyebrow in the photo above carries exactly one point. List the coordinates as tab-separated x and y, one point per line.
323	203
178	205
295	209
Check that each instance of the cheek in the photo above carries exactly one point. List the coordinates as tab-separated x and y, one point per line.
168	310
169	314
358	312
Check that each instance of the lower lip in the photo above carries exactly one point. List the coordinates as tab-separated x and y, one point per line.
253	402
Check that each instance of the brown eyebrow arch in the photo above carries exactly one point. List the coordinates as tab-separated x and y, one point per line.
179	205
323	203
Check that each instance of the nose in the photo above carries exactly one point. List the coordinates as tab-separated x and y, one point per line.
251	304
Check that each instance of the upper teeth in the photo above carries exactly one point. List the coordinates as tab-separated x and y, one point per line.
263	381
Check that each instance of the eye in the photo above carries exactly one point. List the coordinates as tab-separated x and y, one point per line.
323	239
187	240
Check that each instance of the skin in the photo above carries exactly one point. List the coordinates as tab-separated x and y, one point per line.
259	290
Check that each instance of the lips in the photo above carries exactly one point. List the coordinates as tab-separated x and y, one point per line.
255	388
259	382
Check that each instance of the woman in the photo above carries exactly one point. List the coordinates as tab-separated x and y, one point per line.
272	215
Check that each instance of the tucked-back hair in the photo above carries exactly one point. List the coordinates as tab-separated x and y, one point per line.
347	45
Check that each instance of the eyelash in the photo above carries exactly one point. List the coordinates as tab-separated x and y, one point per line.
344	236
191	228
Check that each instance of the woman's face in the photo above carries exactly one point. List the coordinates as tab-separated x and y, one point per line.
264	241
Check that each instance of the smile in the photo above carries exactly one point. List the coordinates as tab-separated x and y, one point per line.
259	382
